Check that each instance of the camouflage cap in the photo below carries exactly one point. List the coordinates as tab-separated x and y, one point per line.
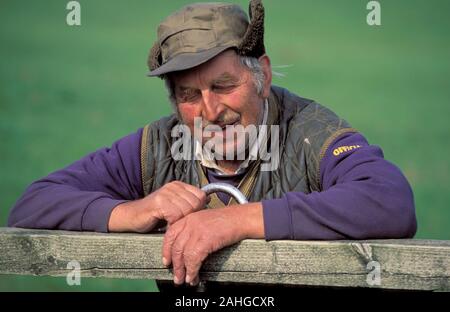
198	32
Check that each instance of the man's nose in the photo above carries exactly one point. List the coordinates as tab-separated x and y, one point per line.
212	108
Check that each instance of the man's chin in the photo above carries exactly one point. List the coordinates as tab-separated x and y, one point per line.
229	152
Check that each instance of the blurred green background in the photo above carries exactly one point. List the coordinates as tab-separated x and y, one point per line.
66	91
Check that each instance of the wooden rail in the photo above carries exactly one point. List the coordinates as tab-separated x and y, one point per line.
403	264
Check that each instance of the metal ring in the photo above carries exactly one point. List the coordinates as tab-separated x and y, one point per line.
226	188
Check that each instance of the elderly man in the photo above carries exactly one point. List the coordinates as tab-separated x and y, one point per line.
327	181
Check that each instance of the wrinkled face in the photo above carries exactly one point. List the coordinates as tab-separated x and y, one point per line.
221	92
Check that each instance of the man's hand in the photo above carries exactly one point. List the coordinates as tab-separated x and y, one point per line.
171	202
190	240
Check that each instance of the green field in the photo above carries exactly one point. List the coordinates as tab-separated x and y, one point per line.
67	91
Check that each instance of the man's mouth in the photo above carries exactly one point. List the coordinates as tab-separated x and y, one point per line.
233	123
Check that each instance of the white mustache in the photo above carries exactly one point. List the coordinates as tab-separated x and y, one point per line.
222	121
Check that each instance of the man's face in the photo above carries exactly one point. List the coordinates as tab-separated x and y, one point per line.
221	92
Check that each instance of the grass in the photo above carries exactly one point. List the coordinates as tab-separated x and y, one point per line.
66	91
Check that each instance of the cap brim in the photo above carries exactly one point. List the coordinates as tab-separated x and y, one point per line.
187	60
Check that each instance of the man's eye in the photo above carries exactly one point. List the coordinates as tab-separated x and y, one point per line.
224	88
188	96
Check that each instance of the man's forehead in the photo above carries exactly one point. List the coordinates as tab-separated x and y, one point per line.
225	76
222	68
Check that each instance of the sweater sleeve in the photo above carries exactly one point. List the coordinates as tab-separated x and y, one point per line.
81	196
363	197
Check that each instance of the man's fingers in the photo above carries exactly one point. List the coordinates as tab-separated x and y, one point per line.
195	281
185	252
185	199
178	265
169	238
178	209
194	254
201	195
195	203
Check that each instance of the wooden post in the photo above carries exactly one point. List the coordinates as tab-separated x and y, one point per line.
403	264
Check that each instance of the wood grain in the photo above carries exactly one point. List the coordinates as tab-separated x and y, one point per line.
405	264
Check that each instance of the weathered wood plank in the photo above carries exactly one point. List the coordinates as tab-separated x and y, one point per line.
404	264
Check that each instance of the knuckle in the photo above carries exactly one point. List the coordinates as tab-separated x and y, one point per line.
177	250
170	234
177	264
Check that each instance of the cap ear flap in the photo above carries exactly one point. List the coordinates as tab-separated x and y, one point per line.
253	42
154	58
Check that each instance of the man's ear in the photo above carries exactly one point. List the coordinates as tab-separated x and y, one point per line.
264	60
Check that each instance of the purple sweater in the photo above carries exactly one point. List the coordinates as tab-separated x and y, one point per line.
364	196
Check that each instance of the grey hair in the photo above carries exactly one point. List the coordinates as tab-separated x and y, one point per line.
251	63
255	67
